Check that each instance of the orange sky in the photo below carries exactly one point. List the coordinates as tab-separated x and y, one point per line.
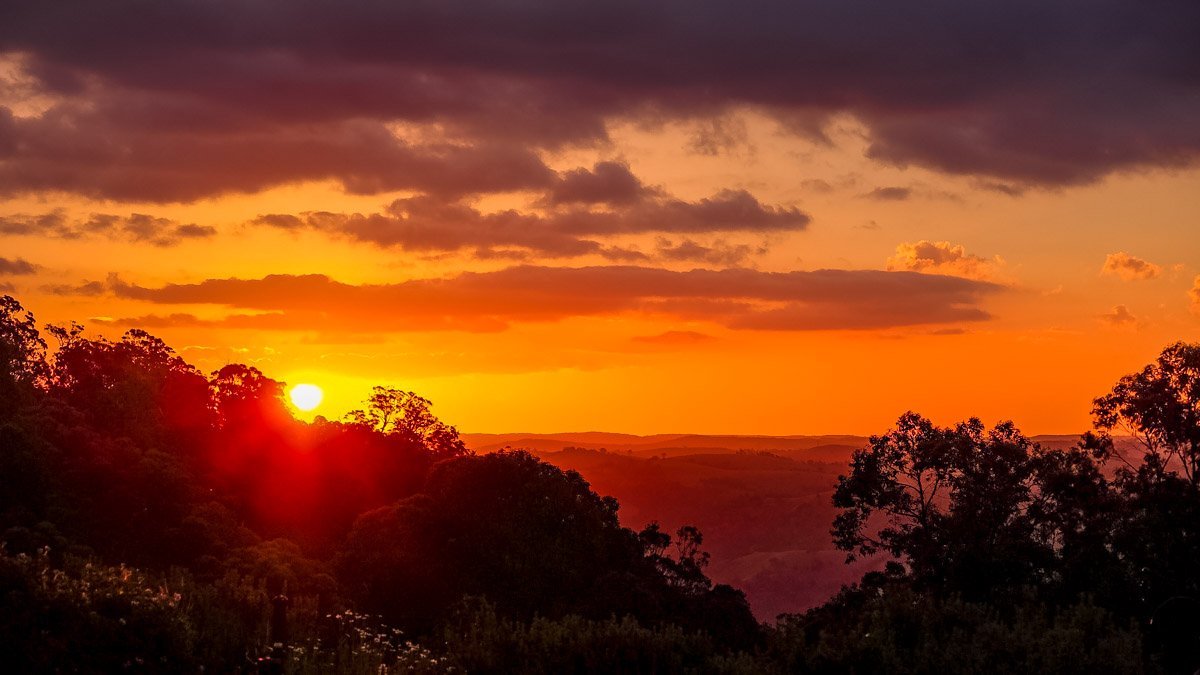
659	266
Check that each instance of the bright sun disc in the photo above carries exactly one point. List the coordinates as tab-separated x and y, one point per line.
306	396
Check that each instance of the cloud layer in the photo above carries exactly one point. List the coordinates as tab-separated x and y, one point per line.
490	301
206	98
575	213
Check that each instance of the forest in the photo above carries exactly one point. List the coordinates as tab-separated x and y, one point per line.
158	519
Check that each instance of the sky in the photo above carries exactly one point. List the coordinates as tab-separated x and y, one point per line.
640	216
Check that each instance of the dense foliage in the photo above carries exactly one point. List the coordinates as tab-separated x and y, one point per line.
157	519
1108	530
118	453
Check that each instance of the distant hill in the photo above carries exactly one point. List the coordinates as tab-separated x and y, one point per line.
821	448
762	502
828	448
765	517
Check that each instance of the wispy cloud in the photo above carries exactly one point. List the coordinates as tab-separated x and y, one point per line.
136	227
16	266
1119	316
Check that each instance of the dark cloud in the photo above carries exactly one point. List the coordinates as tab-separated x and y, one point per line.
282	221
52	224
566	225
85	289
74	150
719	253
139	227
16	266
203	98
1002	188
816	185
890	194
489	301
605	183
136	227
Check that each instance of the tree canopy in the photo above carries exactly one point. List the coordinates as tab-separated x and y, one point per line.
966	513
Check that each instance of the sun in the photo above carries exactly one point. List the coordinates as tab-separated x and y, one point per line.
306	396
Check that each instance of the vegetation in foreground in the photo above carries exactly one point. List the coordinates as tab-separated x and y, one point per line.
155	519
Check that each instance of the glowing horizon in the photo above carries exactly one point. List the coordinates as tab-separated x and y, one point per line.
612	236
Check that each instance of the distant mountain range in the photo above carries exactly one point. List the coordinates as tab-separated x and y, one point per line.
762	502
819	448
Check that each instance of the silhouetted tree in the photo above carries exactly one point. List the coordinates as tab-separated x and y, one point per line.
1156	534
531	538
393	411
686	570
22	353
902	475
952	503
1075	511
993	519
138	386
1160	408
243	395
